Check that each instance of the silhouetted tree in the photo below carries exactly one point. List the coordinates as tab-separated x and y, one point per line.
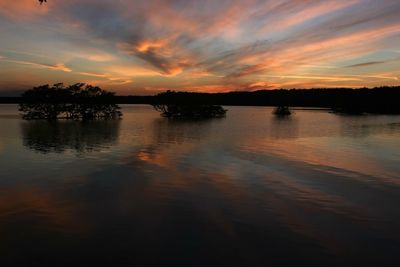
90	102
171	105
41	1
282	111
76	102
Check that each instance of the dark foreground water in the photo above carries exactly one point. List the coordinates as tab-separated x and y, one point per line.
250	190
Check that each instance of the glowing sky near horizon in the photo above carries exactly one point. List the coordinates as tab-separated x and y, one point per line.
143	47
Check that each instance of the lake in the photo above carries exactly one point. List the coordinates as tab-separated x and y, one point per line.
315	189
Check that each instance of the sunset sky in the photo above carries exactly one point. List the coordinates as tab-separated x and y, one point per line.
144	47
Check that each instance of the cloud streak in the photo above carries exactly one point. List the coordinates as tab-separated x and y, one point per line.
366	64
57	67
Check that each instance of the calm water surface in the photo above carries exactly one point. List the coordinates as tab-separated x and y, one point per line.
316	189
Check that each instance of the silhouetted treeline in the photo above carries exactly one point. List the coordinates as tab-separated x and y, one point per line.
376	100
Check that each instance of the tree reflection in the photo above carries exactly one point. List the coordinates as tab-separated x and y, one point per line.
179	131
60	136
284	127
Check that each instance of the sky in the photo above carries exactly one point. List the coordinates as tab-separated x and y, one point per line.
137	47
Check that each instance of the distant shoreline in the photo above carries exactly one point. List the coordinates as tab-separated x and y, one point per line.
382	100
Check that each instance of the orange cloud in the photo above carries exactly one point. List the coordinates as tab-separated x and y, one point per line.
22	9
131	71
145	46
97	57
94	74
58	66
162	54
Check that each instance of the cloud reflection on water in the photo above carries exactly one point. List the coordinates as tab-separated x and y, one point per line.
245	190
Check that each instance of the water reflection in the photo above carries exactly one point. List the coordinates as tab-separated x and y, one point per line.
178	131
45	137
361	127
284	127
248	190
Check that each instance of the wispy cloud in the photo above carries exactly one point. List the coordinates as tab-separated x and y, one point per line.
58	66
293	13
94	74
365	64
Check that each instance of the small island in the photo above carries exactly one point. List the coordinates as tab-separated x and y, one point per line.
176	105
75	102
282	111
